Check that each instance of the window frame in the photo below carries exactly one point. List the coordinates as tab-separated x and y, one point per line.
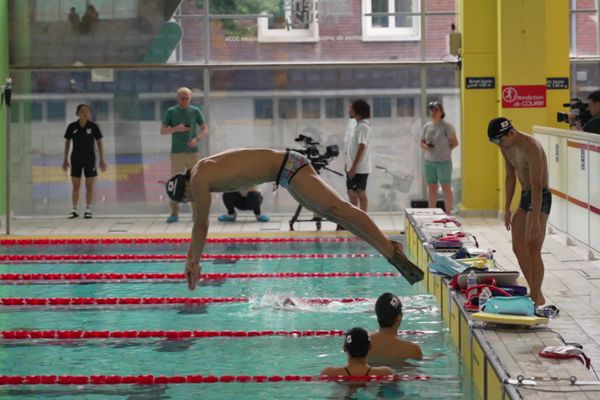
289	34
371	34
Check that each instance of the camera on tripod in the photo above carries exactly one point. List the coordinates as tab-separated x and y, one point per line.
319	155
579	110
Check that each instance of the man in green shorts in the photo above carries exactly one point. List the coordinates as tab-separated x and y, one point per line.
437	140
180	122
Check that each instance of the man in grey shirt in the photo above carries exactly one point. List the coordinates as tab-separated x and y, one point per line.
437	140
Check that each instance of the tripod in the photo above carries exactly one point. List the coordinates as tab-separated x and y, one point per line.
316	219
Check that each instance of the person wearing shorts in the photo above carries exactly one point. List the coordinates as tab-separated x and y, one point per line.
181	122
83	133
438	139
358	154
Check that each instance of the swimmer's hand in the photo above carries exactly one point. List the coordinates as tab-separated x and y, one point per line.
192	273
507	220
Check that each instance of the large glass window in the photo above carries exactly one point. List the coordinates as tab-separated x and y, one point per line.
75	10
584	28
388	20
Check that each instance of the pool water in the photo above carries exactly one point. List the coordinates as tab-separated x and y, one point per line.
263	355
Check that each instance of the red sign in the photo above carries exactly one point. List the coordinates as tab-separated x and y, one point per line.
525	96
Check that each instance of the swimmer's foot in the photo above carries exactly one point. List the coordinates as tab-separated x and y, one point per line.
409	271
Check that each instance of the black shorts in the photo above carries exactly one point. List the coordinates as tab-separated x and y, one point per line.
88	169
358	183
525	202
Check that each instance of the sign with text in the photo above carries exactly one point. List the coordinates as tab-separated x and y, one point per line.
483	82
523	96
557	83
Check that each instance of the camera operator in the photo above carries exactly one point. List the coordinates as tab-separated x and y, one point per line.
593	125
249	199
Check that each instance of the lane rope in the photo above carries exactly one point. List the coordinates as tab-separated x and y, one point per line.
180	379
128	301
63	241
12	335
36	258
159	277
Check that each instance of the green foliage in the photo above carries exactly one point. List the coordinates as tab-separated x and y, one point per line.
238	27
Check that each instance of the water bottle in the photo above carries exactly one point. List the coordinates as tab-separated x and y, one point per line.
483	298
471	279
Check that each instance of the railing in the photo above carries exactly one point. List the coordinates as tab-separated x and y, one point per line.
574	179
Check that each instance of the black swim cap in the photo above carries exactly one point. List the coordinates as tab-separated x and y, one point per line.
357	342
387	309
498	127
175	187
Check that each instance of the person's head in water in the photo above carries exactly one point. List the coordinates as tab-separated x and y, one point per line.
177	187
388	309
357	343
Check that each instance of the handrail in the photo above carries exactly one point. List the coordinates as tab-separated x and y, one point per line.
578	135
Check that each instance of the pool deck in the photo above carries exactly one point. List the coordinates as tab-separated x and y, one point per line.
572	283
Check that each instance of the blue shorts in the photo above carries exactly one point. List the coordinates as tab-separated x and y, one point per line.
292	163
438	172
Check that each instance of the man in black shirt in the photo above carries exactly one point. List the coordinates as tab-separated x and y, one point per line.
593	125
83	133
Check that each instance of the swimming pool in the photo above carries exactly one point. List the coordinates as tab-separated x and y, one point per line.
261	308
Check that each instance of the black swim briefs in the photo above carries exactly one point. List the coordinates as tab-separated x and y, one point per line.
525	202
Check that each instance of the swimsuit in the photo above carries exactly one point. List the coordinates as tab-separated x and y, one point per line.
349	374
292	163
525	203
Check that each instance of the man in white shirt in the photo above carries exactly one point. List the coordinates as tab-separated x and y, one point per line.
358	154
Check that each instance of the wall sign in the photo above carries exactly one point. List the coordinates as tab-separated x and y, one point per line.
484	82
582	159
556	151
557	83
523	96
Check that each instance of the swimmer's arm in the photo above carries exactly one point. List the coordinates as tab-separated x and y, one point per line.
201	205
509	182
536	173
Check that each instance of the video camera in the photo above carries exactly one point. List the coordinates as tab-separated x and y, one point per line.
579	109
318	155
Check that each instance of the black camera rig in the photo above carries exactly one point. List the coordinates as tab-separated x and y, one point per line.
319	157
579	110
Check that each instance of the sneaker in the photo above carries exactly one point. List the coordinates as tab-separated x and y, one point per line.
87	214
227	218
262	218
172	218
73	215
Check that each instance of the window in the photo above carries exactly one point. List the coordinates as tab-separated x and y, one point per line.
382	107
55	110
58	10
311	108
292	21
32	112
147	112
164	106
388	22
287	109
263	109
405	107
99	110
14	111
334	108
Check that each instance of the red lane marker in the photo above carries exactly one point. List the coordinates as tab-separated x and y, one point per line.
180	379
28	258
128	301
169	277
50	242
168	334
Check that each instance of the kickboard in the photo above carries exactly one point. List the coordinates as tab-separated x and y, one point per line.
503	278
409	271
509	319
